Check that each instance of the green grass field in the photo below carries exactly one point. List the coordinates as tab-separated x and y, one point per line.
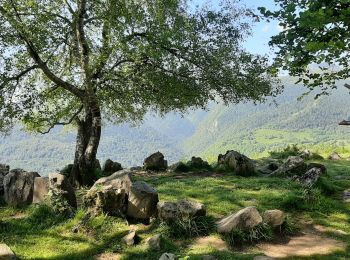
37	233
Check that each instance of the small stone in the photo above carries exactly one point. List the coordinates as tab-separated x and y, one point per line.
334	157
346	196
130	239
274	217
168	256
154	242
6	253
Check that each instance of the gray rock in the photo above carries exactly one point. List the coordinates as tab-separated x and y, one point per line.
154	241
346	196
334	157
310	178
167	211
274	217
6	253
143	199
244	219
198	163
155	162
130	239
168	256
110	167
59	182
182	209
294	165
238	163
18	187
4	170
317	165
41	189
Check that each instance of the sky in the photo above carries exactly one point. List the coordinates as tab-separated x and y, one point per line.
262	31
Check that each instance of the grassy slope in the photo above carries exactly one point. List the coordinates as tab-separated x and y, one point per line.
44	236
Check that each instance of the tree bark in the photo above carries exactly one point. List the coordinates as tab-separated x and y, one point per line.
87	142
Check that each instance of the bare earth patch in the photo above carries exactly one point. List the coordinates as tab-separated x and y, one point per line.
211	242
108	256
307	244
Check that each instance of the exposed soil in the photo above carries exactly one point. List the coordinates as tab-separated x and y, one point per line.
210	241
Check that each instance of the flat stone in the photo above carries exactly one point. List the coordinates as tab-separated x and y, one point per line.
41	189
6	253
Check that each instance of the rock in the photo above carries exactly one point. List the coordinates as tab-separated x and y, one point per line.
131	238
334	157
110	167
4	170
198	163
143	199
60	183
189	209
182	209
268	167
317	165
155	162
41	189
310	178
274	217
168	256
209	257
109	195
294	165
346	196
18	187
239	163
167	211
6	253
246	218
154	241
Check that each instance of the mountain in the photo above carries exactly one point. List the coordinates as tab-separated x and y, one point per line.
251	129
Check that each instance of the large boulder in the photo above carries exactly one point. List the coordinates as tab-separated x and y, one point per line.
294	165
59	183
274	217
180	210
310	178
244	219
239	163
334	157
198	163
6	253
142	202
109	195
110	167
155	162
18	187
4	170
41	189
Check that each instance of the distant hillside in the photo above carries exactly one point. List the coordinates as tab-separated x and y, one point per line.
251	129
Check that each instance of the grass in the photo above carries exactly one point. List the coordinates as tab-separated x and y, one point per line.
41	234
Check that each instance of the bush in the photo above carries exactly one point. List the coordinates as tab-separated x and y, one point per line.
43	216
290	150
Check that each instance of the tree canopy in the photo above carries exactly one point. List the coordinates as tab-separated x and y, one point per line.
315	42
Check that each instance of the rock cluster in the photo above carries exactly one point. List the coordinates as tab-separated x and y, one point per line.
238	163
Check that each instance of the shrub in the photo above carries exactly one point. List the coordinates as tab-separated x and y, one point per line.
43	216
290	150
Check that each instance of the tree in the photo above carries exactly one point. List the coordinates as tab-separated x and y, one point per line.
315	42
78	61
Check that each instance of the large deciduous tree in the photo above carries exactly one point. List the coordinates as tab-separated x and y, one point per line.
76	61
314	43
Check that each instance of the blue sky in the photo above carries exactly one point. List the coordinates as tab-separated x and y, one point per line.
262	31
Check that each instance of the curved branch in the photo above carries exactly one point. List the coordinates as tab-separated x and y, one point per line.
18	76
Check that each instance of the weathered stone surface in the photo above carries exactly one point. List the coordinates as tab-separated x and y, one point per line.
155	162
274	217
346	196
322	167
109	195
41	189
294	165
18	187
182	209
6	253
110	167
309	178
4	170
143	199
61	183
268	166
168	256
334	157
130	239
244	219
154	241
239	163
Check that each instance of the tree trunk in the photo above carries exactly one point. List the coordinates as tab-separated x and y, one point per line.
87	142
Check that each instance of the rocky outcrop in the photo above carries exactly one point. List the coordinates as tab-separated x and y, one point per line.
238	163
41	189
155	162
60	185
6	253
246	218
110	167
310	178
142	202
131	238
182	209
317	165
274	217
154	241
18	187
294	165
4	170
268	166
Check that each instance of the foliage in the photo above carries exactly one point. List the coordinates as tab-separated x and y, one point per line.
290	150
314	42
59	204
